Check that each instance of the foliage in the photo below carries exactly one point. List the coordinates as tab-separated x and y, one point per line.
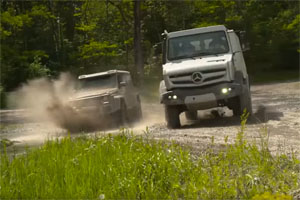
36	69
95	49
133	167
268	195
91	36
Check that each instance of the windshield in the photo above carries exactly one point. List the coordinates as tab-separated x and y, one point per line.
99	82
190	46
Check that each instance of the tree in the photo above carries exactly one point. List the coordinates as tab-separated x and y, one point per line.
138	53
91	36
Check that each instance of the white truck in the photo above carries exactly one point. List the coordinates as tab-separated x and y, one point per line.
108	95
203	68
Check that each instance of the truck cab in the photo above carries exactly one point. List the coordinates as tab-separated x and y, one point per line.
203	68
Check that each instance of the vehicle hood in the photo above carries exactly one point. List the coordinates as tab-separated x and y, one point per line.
91	93
193	64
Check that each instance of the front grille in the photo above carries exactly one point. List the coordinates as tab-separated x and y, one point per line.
207	71
213	78
86	102
208	76
181	75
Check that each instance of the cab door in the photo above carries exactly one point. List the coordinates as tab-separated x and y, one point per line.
238	57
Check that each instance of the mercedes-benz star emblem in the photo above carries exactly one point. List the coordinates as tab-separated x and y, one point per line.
197	77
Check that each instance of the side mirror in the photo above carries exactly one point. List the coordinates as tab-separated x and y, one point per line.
245	45
157	48
123	84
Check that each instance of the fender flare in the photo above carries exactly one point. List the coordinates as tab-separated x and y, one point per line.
162	90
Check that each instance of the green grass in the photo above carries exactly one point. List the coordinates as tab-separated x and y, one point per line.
131	167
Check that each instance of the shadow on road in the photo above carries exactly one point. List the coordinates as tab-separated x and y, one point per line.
262	115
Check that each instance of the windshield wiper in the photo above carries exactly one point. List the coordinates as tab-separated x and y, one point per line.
179	57
194	56
208	53
204	53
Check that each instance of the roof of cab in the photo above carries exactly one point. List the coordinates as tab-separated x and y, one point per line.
102	74
197	30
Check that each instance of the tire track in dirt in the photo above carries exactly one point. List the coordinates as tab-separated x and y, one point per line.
276	119
276	108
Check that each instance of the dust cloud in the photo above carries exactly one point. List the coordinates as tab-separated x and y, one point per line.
48	101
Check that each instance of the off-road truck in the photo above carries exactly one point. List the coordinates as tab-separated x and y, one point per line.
203	68
108	95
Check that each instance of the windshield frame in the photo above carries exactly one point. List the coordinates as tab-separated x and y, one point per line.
196	54
98	86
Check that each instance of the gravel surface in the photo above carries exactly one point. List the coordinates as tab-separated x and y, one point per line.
276	120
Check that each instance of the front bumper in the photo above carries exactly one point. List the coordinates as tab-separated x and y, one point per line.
104	109
201	97
96	106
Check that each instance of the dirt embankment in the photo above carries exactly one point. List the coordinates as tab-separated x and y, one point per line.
276	120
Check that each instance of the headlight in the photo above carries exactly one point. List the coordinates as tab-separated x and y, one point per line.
172	97
225	90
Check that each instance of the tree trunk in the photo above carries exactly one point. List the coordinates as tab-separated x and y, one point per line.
138	53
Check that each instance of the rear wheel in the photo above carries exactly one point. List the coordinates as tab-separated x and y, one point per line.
172	116
191	115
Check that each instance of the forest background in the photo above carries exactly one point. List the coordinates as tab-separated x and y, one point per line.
45	38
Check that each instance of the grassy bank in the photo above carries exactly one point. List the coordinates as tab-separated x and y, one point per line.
129	167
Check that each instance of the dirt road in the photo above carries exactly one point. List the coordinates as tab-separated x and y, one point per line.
276	119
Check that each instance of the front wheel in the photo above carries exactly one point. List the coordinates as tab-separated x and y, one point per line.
138	113
123	117
172	116
242	102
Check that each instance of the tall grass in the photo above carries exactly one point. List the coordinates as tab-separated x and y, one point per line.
130	167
